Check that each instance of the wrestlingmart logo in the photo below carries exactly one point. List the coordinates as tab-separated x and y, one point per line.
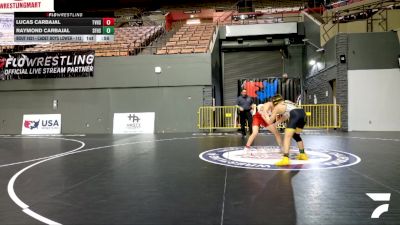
379	197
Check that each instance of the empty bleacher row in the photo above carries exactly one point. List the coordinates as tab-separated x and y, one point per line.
189	39
6	48
128	41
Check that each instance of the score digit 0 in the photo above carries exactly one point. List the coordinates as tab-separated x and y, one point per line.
108	30
108	21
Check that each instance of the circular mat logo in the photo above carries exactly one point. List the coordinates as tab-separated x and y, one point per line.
265	157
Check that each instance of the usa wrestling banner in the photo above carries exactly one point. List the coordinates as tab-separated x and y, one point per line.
46	65
41	124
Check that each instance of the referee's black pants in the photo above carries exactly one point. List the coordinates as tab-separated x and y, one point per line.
245	115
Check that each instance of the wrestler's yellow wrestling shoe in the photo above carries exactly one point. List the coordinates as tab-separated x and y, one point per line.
302	156
284	162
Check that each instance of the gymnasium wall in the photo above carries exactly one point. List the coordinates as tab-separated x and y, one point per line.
120	84
129	72
373	51
373	100
216	66
364	51
327	58
317	83
312	29
373	81
312	33
323	60
294	63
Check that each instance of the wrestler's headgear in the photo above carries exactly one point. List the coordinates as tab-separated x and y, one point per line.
277	99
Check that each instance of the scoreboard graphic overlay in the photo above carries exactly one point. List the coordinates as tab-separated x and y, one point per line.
63	27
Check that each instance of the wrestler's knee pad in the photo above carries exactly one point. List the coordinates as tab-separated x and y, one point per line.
297	137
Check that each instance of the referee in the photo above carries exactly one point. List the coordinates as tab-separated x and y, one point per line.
245	104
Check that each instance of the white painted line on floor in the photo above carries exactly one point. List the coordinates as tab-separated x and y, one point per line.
303	133
18	201
37	159
50	135
124	144
11	192
10	187
39	217
224	197
262	133
364	138
372	179
25	207
199	134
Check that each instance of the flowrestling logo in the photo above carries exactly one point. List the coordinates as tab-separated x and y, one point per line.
41	124
265	157
47	65
380	197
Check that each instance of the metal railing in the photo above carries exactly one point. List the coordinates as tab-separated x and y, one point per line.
267	18
321	116
218	117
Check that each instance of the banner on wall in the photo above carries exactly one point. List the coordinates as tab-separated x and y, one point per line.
47	65
7	6
41	124
261	90
134	123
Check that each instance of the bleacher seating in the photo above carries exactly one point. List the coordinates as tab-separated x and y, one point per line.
128	41
6	48
189	39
